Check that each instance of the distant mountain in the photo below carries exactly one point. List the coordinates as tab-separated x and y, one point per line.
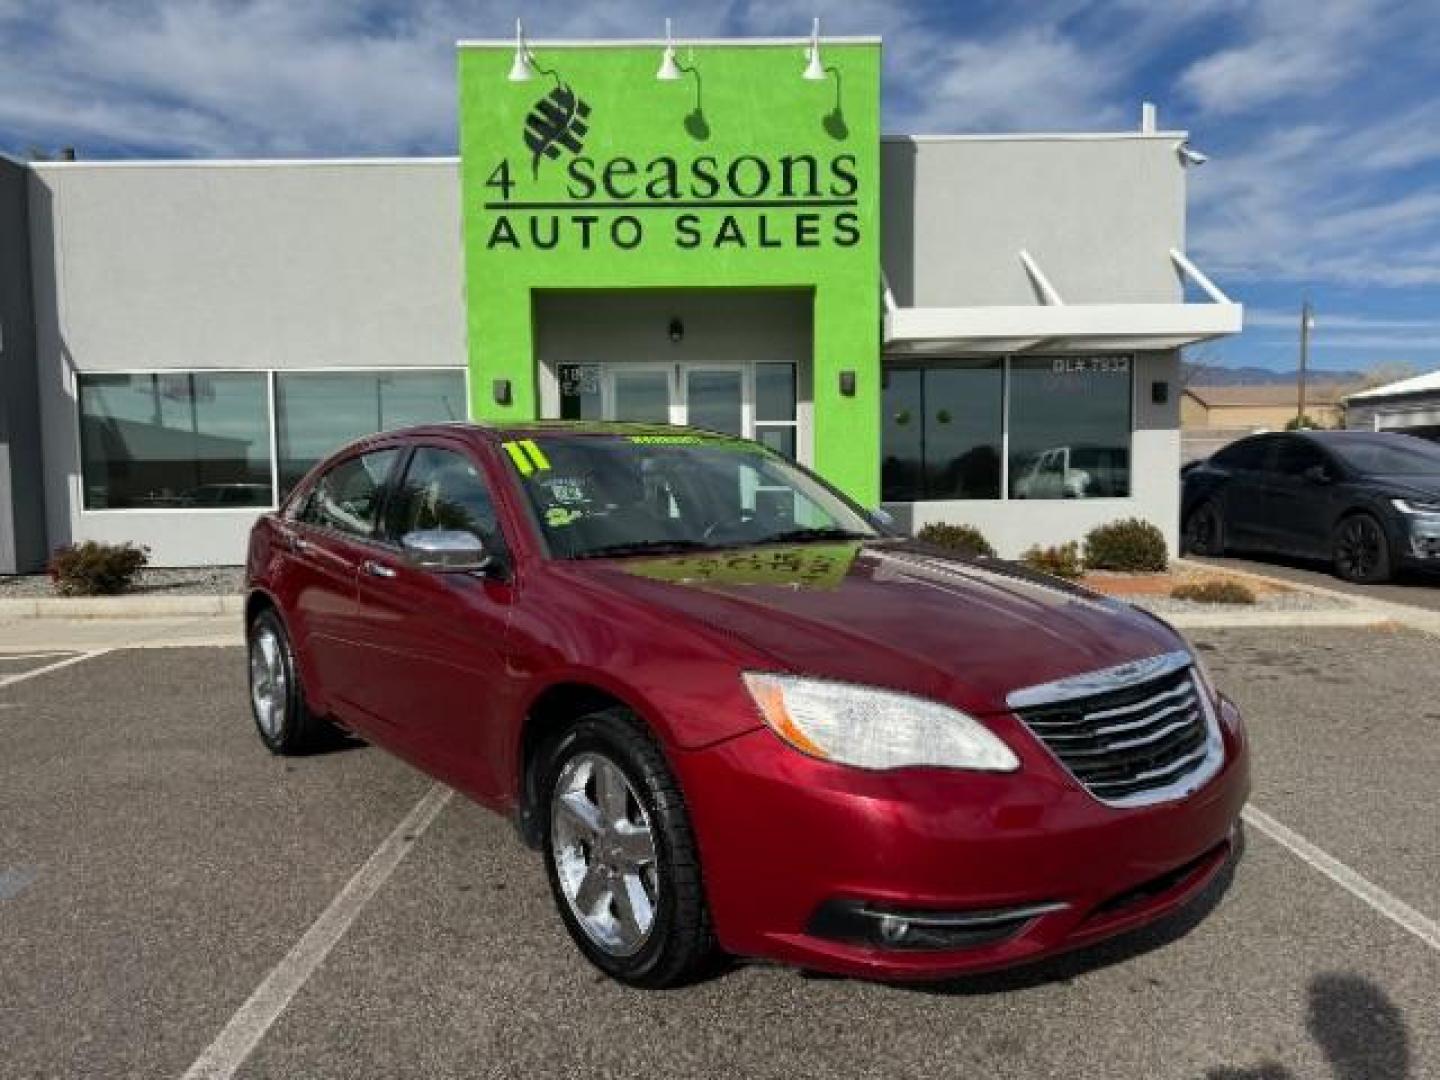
1215	375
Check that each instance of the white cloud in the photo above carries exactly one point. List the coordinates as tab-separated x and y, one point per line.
1033	78
1288	48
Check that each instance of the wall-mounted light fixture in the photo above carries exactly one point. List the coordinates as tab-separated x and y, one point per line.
672	70
500	390
524	68
847	384
814	68
677	331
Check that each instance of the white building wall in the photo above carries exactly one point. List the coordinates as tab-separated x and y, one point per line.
193	266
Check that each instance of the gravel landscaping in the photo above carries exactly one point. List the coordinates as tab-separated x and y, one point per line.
1276	601
187	581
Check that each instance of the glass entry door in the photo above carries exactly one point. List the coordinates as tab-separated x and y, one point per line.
753	401
715	398
644	393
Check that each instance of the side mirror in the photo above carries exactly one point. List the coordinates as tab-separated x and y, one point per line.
1317	474
883	518
450	551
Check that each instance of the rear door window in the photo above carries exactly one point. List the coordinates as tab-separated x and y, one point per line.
347	498
1245	454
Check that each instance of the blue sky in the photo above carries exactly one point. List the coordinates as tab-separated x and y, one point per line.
1321	117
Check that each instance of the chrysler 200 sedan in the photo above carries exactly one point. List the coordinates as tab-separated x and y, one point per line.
732	710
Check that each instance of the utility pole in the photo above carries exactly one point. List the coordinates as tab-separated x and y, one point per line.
1305	322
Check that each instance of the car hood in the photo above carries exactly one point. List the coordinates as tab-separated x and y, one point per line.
901	614
1409	487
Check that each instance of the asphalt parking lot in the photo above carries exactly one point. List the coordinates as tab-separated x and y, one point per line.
156	866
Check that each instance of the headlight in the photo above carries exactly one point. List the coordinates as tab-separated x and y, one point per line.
874	729
1411	506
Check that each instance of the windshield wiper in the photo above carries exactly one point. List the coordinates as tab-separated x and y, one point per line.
801	536
645	547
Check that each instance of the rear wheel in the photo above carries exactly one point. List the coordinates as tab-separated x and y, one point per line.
1205	531
621	854
277	701
1361	551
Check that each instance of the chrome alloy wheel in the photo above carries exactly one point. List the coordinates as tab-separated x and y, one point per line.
604	851
268	683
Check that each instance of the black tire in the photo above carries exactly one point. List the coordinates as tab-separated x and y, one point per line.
1204	532
1361	551
680	944
293	729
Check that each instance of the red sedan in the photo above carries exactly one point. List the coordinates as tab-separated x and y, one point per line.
733	711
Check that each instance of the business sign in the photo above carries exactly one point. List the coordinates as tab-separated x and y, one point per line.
546	191
595	175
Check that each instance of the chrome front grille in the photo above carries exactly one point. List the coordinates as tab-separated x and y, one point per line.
1131	735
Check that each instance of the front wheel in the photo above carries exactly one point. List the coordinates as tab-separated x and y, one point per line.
1361	551
621	855
1205	531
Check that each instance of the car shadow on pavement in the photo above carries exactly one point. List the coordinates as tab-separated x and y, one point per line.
1358	1028
1104	954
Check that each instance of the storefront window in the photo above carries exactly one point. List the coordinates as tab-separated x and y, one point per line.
318	412
943	431
1070	427
174	440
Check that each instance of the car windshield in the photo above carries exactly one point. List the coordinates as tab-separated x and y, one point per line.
1388	455
600	496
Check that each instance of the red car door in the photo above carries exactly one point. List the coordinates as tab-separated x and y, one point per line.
327	543
435	672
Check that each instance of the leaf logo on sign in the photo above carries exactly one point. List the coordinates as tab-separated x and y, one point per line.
558	122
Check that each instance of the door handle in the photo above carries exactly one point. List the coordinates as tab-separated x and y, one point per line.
297	544
375	569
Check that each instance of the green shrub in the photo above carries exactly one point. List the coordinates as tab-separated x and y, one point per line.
92	569
1214	591
963	538
1062	561
1131	544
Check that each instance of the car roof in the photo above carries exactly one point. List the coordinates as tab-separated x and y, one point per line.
519	429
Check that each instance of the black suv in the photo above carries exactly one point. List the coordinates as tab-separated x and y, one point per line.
1367	502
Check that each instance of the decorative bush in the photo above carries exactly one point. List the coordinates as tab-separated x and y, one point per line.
963	538
92	569
1062	561
1131	544
1214	591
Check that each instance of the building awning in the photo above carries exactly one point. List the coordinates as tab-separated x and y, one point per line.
1055	326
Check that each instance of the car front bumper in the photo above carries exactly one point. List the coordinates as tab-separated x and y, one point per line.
792	848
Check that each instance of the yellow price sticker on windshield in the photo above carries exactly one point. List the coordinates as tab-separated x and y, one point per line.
528	457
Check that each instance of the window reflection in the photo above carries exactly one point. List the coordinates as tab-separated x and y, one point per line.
942	431
182	439
316	413
1070	427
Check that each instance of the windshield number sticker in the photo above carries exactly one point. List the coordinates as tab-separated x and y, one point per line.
528	457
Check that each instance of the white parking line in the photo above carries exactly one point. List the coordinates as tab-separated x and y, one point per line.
1393	908
248	1026
11	680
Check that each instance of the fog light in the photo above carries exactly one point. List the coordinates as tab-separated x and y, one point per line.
893	930
862	923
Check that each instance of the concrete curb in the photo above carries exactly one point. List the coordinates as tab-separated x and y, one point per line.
120	607
1244	620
